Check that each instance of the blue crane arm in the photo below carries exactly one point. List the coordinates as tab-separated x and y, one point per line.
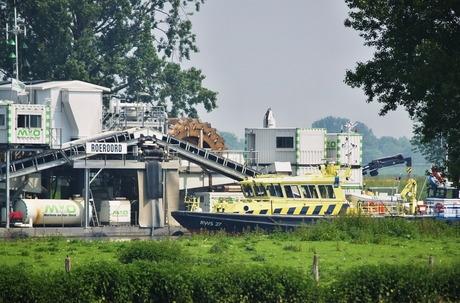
373	166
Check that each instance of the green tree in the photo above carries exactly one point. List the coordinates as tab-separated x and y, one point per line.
232	141
126	45
433	151
416	64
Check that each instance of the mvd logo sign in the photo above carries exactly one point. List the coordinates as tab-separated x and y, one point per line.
29	133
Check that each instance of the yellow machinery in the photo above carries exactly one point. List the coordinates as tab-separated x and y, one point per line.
409	194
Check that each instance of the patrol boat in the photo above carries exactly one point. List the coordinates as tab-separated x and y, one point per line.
274	202
442	199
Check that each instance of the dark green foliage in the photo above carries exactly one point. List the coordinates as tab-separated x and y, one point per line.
152	251
129	46
364	229
180	281
414	65
395	283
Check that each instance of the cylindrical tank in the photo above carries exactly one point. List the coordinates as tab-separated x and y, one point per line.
49	212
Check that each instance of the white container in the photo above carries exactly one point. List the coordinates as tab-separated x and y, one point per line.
115	212
299	146
345	148
24	123
49	212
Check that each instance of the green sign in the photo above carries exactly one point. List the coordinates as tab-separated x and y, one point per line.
29	133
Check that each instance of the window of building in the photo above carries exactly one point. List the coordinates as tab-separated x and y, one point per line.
29	121
284	142
2	119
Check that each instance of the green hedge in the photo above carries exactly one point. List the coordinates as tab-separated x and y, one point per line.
142	281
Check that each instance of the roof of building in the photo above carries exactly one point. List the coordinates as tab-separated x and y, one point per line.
43	85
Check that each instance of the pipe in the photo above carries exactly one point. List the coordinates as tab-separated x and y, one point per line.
165	125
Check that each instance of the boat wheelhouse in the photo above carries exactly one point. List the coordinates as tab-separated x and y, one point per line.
273	201
443	202
311	194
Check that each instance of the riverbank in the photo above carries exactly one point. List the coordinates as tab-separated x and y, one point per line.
93	232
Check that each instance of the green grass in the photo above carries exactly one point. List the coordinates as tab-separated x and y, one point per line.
49	253
339	244
334	256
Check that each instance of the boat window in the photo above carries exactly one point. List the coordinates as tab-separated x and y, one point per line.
444	193
440	193
326	191
260	190
430	193
452	193
292	191
309	191
275	190
247	191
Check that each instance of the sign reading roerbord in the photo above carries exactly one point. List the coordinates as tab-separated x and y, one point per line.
106	148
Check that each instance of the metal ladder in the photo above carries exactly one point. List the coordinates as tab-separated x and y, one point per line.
94	216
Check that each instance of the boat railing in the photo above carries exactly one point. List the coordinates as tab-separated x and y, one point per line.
389	190
192	203
382	208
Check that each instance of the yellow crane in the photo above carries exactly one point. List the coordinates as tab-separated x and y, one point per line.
409	194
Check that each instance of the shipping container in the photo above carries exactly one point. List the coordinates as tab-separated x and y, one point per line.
115	212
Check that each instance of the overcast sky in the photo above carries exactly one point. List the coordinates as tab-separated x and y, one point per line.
290	56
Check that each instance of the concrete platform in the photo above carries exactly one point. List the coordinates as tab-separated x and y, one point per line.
93	232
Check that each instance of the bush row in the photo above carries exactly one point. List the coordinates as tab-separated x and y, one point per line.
143	281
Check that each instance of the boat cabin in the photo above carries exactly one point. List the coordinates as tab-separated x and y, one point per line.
291	188
442	192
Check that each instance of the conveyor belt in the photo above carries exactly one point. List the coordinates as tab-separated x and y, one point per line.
206	158
76	150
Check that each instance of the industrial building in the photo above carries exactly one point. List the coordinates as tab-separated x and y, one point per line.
68	161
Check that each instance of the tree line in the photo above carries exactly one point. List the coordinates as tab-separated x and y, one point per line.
136	46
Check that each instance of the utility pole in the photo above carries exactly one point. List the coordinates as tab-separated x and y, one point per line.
16	30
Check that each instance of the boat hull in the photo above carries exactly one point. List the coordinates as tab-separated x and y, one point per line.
196	222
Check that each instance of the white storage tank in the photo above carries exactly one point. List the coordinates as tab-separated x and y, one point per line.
115	212
49	212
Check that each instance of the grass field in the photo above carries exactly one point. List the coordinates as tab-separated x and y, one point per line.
338	246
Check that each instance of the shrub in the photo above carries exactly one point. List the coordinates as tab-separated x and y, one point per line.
153	251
